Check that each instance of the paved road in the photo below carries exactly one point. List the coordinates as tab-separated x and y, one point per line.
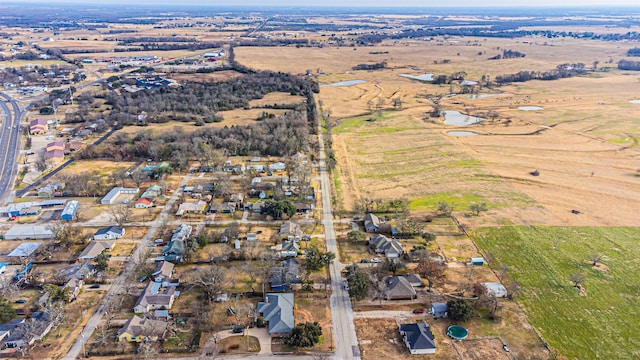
344	329
118	284
9	143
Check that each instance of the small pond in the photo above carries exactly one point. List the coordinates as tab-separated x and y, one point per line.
530	108
482	96
456	118
423	77
634	101
461	133
345	83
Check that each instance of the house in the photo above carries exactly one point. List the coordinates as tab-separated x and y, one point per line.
439	310
72	146
288	248
81	271
192	207
279	166
494	289
112	196
418	338
51	189
70	210
96	248
284	275
302	208
237	199
289	228
152	192
414	279
155	297
56	145
381	244
252	236
29	331
257	207
138	329
398	287
175	248
371	222
143	203
224	208
203	188
38	126
162	272
277	311
6	329
109	233
74	285
54	155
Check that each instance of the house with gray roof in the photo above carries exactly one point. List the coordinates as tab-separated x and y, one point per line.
29	331
418	338
277	311
381	244
155	297
109	233
398	288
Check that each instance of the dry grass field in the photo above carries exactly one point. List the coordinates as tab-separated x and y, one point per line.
584	142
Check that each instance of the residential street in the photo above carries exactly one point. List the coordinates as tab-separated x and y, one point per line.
117	285
344	331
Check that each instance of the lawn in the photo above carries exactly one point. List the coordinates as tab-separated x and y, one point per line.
597	324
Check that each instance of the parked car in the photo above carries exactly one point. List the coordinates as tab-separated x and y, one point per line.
375	260
364	261
94	286
142	278
237	330
21	301
418	311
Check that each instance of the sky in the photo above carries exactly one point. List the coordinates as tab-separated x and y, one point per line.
359	3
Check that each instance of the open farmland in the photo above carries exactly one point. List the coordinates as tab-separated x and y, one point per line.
583	142
568	320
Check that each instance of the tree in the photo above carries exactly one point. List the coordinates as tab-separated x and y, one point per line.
66	234
391	265
6	311
304	335
121	214
358	282
431	271
444	208
397	103
211	280
356	235
57	293
459	310
595	258
102	261
476	209
279	208
577	279
316	259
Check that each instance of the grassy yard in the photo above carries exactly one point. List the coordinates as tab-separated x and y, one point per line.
597	324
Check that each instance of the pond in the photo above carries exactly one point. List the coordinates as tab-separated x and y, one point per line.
461	133
530	108
634	101
423	77
482	96
456	118
345	83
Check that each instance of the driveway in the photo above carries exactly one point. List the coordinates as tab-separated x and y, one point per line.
263	337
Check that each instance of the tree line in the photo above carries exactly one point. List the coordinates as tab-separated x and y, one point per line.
629	65
561	71
633	52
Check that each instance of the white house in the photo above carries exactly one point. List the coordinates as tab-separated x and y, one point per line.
109	233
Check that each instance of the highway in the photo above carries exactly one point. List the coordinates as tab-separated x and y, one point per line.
344	329
9	143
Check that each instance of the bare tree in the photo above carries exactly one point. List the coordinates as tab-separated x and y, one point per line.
577	279
434	273
121	214
211	280
595	258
